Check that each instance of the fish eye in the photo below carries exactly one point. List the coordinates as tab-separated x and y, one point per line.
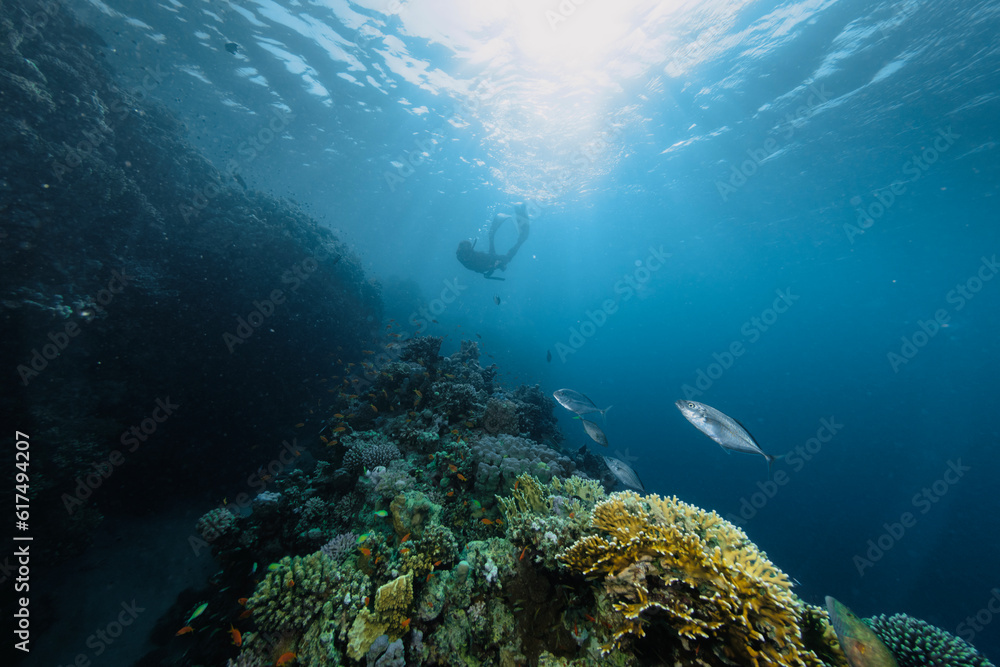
690	405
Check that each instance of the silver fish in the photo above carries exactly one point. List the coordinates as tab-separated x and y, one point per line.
624	473
595	432
723	429
576	402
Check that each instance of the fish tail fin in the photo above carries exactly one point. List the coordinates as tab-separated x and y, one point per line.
770	462
605	411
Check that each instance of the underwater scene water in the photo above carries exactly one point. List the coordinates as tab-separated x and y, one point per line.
313	312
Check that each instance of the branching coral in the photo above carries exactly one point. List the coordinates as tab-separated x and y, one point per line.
916	643
664	558
306	594
367	451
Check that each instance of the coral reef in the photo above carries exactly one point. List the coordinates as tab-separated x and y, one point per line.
368	450
500	417
425	350
390	616
502	458
916	643
664	558
495	548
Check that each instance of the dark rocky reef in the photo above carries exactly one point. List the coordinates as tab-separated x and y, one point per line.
158	319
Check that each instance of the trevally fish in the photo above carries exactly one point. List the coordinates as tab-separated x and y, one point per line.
576	402
624	473
860	644
723	429
595	432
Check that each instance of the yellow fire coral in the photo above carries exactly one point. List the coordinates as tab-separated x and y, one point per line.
392	604
662	558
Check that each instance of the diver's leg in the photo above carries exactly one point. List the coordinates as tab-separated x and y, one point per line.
498	220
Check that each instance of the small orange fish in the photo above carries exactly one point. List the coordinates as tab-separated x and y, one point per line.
523	551
367	352
372	405
452	467
325	441
246	613
183	631
285	658
516	482
462	477
366	551
450	493
449	376
469	424
589	617
417	392
499	522
338	415
412	413
243	602
404	551
352	396
430	456
300	425
291	582
405	623
454	431
405	537
488	522
339	429
235	634
431	574
436	563
366	601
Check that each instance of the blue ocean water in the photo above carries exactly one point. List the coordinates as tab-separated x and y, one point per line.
787	211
